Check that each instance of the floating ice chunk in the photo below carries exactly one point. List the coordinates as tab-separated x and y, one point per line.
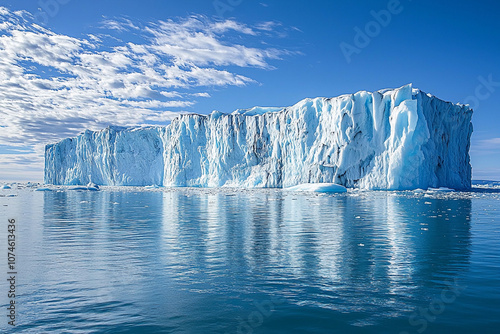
89	188
6	186
43	189
319	188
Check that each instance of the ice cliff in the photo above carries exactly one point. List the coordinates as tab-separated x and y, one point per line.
390	139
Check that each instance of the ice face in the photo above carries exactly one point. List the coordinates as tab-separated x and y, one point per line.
114	156
392	139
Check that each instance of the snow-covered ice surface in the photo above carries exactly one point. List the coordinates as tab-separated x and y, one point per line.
396	139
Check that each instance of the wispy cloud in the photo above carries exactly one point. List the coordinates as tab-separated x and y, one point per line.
123	25
492	142
53	85
486	146
196	42
21	166
486	174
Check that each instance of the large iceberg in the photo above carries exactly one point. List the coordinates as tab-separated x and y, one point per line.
391	139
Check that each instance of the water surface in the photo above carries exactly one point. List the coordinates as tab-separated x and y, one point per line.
124	260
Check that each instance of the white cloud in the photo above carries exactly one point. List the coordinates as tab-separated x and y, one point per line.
54	86
123	25
486	174
267	26
486	146
221	27
30	163
196	41
492	142
204	94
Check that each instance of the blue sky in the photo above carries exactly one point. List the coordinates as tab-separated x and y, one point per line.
68	65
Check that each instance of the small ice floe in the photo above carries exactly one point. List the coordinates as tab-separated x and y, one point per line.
89	187
43	189
6	186
319	188
441	189
154	186
419	191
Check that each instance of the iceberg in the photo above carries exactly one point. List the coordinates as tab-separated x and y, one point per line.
392	139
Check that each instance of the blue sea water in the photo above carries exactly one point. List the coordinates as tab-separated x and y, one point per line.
129	260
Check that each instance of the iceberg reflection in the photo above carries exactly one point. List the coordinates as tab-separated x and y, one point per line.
213	253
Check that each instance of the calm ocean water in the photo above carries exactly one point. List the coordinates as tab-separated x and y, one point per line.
262	261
